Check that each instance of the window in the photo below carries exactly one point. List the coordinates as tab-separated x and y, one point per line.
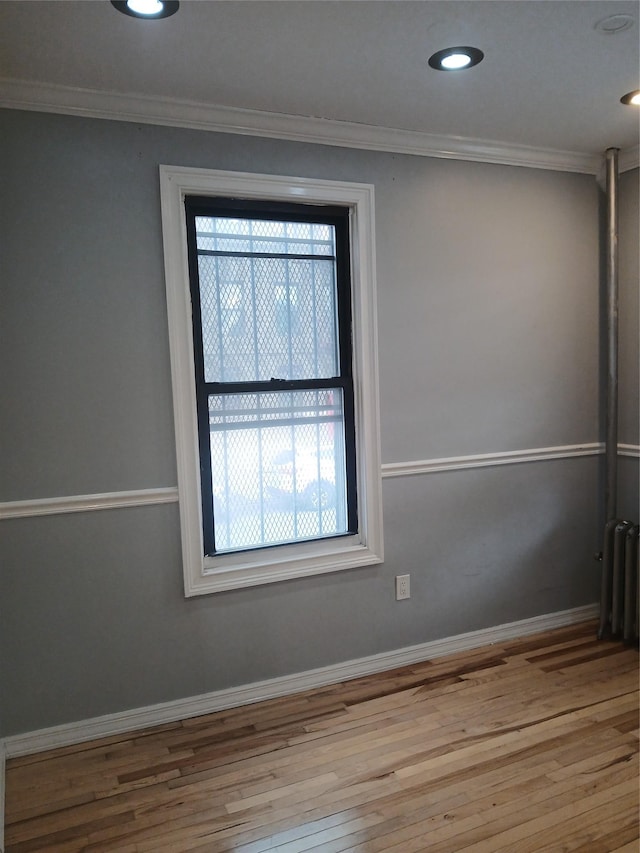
271	307
271	310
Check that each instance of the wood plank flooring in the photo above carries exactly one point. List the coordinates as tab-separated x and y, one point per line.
530	745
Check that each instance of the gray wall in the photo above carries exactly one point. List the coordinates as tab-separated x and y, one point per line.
488	327
628	354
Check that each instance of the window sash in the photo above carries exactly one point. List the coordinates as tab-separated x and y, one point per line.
337	219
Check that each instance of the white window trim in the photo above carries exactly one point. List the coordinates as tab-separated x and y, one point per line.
231	571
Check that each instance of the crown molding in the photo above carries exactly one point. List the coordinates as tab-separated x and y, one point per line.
91	103
629	159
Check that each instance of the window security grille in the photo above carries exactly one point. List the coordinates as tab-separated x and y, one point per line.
271	316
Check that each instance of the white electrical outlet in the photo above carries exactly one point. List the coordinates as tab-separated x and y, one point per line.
403	587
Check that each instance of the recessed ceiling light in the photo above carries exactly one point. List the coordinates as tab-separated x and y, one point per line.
456	58
632	98
613	24
150	9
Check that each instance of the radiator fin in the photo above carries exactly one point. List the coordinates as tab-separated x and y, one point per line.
619	598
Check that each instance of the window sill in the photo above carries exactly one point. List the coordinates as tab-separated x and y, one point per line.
253	568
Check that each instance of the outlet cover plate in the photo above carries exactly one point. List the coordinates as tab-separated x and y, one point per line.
403	587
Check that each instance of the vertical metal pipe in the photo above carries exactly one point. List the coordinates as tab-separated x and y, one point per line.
611	449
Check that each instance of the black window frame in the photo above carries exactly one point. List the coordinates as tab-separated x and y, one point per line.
339	218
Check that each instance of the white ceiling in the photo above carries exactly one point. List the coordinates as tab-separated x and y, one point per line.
549	79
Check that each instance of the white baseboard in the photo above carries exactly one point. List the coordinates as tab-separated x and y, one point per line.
632	450
219	700
2	777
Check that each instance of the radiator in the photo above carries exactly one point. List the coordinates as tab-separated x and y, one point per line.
619	597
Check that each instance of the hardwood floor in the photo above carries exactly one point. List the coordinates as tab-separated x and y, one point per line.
531	745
